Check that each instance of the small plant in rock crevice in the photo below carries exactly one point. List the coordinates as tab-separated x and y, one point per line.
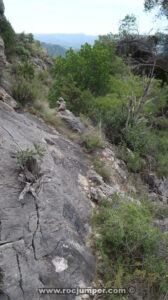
23	156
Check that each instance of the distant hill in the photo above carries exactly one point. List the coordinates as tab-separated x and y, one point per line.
54	50
66	40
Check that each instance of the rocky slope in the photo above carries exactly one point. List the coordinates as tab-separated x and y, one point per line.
42	234
44	216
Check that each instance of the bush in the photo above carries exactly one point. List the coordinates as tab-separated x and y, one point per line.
132	250
114	122
25	38
134	162
162	165
24	92
9	37
132	159
93	142
24	155
136	136
77	101
101	169
22	52
43	76
26	70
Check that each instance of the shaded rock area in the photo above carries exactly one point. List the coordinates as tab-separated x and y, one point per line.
5	97
42	64
159	186
42	234
2	8
2	54
73	122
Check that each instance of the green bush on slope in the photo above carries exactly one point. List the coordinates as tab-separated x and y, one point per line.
132	251
24	92
8	35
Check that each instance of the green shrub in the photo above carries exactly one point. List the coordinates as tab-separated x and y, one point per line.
101	168
162	165
26	70
133	160
24	155
43	76
136	136
93	142
25	38
9	36
131	249
22	51
24	92
16	69
114	121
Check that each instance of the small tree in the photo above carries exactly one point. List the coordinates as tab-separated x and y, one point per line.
128	26
162	4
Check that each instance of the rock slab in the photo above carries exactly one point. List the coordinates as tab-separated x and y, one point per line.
42	237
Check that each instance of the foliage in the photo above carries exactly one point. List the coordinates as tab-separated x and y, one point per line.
24	92
128	26
39	150
132	159
25	38
162	4
22	52
132	250
43	76
89	68
9	36
93	142
54	50
101	168
24	155
26	70
77	101
115	107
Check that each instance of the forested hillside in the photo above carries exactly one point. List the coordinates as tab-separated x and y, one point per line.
66	40
54	50
123	89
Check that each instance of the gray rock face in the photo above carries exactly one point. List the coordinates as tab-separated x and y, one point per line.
2	54
42	235
5	97
42	64
160	186
2	8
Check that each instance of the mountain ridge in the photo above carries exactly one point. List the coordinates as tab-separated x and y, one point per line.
66	40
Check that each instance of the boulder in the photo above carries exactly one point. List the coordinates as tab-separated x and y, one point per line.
73	122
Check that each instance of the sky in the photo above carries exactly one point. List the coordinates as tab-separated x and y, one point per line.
92	17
